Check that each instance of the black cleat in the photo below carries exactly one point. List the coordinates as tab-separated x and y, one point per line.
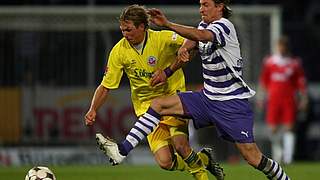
213	167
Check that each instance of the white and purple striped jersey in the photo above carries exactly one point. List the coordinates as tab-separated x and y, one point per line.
222	63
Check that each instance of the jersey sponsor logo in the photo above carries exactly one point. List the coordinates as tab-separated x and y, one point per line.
142	73
240	62
152	61
282	76
133	61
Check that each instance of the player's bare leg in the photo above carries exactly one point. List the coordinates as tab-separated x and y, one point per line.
172	105
175	141
168	160
146	123
194	162
255	158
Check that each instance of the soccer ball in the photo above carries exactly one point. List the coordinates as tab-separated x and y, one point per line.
40	173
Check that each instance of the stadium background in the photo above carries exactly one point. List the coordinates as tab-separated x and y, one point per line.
52	56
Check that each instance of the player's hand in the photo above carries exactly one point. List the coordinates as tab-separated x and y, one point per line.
183	55
90	117
157	17
303	103
158	78
260	104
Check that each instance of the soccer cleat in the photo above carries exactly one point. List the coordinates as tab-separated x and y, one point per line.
213	167
110	149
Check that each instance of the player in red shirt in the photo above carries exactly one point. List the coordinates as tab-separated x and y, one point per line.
282	78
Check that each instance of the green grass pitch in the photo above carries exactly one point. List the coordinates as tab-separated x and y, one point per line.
297	171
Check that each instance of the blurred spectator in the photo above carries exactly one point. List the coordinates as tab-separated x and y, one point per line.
282	77
27	50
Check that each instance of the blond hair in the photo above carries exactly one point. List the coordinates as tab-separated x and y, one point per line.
135	13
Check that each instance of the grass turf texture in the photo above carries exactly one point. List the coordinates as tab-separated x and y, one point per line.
127	172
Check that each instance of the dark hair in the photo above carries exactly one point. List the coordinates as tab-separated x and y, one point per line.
226	12
284	40
137	14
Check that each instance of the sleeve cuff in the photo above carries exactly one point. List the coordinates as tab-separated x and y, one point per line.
168	71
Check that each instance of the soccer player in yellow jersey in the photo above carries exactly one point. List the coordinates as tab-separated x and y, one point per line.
140	54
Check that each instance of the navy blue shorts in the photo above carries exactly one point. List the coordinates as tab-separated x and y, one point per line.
233	119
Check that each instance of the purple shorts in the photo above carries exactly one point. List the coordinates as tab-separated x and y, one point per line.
233	119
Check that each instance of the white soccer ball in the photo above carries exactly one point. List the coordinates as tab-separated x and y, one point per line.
40	173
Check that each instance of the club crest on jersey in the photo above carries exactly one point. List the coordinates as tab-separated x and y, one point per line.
152	61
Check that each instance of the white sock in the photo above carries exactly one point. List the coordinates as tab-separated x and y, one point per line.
288	146
276	146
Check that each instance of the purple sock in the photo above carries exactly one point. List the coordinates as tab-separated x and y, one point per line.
124	147
143	126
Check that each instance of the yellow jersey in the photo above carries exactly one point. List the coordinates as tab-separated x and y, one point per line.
158	52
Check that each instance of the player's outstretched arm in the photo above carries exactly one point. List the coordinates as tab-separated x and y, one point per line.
98	99
187	51
158	18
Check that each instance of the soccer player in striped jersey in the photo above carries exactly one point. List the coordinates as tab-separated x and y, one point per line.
224	100
139	54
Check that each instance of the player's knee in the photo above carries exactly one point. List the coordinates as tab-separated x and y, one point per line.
165	163
156	104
